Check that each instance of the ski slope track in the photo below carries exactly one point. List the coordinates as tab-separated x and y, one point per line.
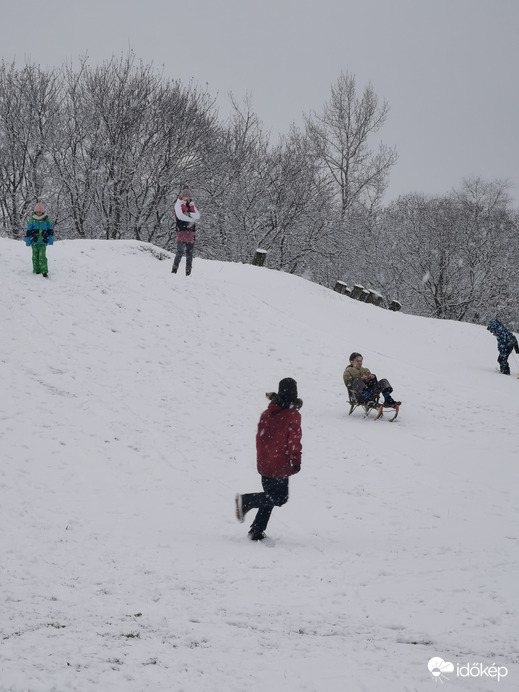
130	400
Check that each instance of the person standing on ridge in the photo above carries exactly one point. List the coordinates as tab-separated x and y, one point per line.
506	343
39	234
186	215
278	447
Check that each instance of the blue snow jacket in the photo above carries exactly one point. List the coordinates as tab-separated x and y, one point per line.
39	230
506	341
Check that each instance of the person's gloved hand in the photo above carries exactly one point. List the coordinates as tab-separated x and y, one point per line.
296	469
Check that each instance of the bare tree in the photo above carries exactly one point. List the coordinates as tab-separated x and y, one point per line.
450	257
234	189
130	138
170	154
273	197
298	228
74	154
120	98
488	231
29	107
340	137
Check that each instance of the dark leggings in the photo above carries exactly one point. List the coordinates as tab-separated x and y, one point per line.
275	495
374	387
188	247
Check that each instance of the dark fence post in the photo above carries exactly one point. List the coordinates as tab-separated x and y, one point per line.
378	299
356	292
259	258
341	288
374	298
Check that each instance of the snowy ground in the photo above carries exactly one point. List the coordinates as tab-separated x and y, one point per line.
128	416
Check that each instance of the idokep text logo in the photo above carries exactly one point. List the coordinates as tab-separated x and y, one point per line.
439	669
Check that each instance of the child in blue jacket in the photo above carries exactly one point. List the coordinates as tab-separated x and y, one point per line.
506	342
39	235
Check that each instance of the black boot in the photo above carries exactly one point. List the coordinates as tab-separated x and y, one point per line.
389	402
256	535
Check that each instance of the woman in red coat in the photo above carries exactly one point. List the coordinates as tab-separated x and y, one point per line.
278	446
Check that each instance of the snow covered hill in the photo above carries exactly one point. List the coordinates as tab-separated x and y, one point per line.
128	416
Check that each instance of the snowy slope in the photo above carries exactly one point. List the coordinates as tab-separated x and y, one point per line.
129	409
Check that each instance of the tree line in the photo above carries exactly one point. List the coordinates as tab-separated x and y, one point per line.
108	148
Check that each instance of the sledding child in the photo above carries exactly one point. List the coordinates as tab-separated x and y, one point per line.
39	235
365	385
506	343
278	446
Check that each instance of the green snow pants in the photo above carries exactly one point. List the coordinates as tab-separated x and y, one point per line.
39	259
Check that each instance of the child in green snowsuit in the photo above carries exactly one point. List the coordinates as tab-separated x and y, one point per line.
39	235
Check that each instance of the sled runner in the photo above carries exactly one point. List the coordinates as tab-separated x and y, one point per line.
371	405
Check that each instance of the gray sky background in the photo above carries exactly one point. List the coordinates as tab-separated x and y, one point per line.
448	68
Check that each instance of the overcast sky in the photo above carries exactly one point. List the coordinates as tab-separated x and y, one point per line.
448	68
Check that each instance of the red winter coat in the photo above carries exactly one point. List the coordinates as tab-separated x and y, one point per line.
278	442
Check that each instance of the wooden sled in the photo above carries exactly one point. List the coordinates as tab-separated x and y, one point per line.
369	406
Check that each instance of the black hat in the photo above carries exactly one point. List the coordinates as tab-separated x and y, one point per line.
286	396
355	355
287	391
